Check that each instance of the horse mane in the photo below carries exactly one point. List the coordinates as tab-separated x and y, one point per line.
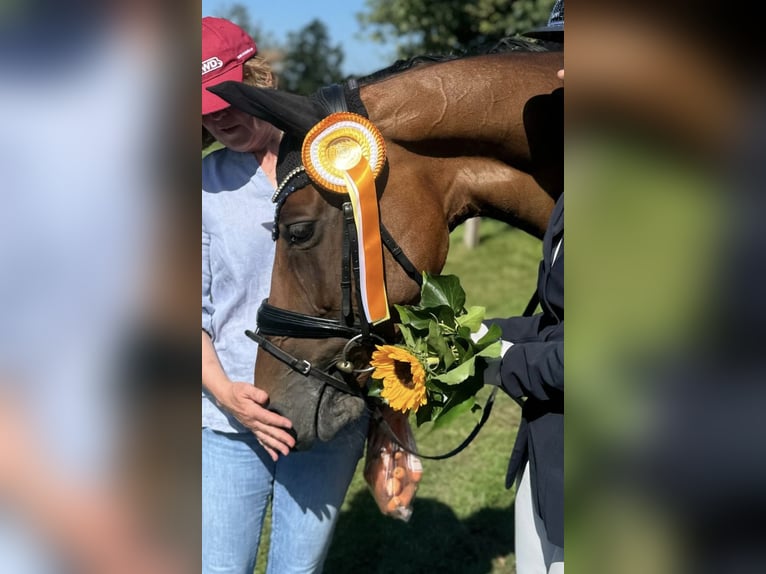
404	65
524	44
508	44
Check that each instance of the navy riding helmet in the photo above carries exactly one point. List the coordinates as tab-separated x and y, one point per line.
554	30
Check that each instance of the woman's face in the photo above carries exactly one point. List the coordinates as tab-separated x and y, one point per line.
237	130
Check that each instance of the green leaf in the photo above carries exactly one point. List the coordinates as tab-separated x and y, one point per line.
442	290
374	391
437	343
446	315
404	312
464	336
493	334
409	340
463	347
472	318
459	373
425	414
460	394
452	411
414	317
448	359
491	351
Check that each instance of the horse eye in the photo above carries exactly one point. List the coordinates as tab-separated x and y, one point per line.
300	232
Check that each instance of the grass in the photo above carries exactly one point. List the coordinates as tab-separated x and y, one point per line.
462	521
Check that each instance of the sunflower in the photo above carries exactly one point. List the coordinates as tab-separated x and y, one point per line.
403	376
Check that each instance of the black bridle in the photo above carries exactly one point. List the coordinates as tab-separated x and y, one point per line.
275	322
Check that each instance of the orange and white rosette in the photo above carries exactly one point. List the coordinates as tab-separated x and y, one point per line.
344	153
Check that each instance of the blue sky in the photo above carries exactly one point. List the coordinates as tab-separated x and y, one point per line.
278	17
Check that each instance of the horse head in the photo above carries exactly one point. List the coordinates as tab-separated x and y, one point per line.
448	157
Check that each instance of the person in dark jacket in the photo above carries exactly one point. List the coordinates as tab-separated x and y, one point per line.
531	371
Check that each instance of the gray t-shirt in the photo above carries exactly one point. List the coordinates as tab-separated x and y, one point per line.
237	257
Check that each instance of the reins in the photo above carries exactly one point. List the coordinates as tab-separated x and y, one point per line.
378	417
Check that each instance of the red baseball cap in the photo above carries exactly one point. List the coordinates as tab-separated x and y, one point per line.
225	47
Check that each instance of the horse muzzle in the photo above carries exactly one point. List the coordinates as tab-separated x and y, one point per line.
317	411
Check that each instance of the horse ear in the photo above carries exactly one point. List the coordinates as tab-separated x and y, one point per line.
290	113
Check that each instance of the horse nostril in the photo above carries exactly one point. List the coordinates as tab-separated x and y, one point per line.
291	431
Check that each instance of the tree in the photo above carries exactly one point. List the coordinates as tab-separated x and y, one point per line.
268	47
310	61
304	63
449	26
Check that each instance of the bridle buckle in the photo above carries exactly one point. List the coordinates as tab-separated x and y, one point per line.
303	367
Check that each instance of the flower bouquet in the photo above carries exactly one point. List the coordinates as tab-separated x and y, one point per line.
434	372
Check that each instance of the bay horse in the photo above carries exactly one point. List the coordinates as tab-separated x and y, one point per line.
479	135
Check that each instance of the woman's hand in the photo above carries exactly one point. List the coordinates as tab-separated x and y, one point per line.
249	405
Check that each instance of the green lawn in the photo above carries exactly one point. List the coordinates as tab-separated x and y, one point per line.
462	520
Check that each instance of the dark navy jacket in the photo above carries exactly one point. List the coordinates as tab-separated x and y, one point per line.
533	369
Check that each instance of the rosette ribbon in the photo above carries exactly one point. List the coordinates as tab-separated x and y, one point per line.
344	153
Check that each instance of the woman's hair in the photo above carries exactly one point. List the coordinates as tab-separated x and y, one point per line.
255	72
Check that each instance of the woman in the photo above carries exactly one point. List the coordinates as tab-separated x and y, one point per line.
246	449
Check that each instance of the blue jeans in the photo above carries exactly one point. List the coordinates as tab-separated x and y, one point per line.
308	488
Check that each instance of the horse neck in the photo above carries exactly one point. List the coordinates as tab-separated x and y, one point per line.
458	129
449	190
479	100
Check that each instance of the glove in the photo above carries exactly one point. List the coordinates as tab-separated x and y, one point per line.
492	372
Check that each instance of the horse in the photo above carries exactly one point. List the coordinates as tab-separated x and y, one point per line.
477	135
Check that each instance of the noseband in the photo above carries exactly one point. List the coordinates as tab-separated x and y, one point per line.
275	322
